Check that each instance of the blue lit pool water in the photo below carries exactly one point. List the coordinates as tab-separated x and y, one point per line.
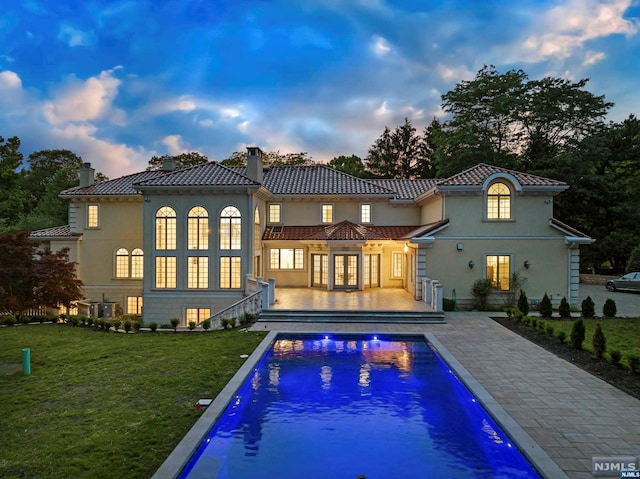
345	406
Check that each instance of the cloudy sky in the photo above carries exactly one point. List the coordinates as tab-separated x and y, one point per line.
120	81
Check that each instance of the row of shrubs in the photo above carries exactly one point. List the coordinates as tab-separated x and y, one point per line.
10	319
588	308
577	337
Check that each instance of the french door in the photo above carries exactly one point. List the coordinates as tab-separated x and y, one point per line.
345	271
320	272
371	270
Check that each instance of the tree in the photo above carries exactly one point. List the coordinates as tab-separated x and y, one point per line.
183	160
599	342
12	196
577	333
351	165
30	277
397	153
44	165
270	158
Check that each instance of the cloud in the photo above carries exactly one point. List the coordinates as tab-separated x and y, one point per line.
380	46
75	37
81	101
10	80
175	144
592	58
454	73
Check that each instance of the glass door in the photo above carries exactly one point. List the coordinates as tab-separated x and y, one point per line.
320	273
370	270
345	271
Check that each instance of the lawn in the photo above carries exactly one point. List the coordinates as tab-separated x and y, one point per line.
102	405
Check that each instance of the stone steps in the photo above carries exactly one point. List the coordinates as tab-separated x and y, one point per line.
350	316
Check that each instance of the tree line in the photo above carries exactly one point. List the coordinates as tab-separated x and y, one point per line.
550	127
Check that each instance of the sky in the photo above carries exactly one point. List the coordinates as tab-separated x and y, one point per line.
120	81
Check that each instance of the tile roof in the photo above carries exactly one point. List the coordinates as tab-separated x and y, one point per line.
476	175
345	230
122	186
55	232
407	189
209	174
424	230
567	229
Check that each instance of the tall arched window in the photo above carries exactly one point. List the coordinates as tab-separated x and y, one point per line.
230	228
198	228
499	202
137	263
122	263
165	228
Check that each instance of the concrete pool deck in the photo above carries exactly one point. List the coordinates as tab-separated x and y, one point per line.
572	415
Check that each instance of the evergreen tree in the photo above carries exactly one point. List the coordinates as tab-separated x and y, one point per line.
545	309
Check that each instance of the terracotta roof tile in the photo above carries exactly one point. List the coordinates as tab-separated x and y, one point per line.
476	175
120	186
345	230
209	174
407	189
55	232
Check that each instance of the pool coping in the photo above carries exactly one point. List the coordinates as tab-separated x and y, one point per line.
181	454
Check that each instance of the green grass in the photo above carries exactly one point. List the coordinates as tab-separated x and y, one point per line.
102	405
622	334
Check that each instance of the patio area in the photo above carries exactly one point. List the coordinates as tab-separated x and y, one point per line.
572	415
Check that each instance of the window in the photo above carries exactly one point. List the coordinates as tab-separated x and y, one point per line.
365	213
499	202
498	271
286	258
396	264
275	213
122	263
256	231
197	315
198	228
134	305
230	228
137	263
198	272
93	216
165	228
230	272
327	213
166	272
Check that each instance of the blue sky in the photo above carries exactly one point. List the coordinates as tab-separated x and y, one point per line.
120	81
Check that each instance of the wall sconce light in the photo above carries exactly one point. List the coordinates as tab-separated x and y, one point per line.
460	246
406	248
471	264
526	263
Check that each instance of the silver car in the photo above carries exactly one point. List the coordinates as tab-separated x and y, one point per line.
628	282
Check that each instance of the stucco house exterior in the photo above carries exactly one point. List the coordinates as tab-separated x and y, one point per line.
182	242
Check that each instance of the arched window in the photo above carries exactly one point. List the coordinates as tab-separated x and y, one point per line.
256	230
122	263
499	202
230	228
198	228
137	263
165	228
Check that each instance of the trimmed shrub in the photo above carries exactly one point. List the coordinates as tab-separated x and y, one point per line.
8	320
480	291
448	304
564	310
609	309
534	323
599	342
517	316
549	330
526	320
127	325
523	303
116	324
192	325
634	363
153	327
562	336
90	322
577	333
206	324
545	309
136	325
174	323
588	308
615	357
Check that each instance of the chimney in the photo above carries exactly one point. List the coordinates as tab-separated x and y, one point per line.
87	175
168	163
254	163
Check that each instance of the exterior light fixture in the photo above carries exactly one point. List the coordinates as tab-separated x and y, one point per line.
526	263
471	264
406	248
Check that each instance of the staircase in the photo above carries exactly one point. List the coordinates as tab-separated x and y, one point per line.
350	316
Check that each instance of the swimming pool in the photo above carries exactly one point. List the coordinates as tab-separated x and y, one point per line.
348	406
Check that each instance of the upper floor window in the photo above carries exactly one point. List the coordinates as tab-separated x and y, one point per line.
93	216
137	263
327	213
165	228
365	213
275	213
198	228
499	202
499	271
230	272
129	266
230	228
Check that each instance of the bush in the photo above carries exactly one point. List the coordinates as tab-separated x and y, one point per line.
127	325
523	303
609	309
206	324
545	309
165	326
564	310
8	320
225	323
615	357
634	363
517	316
534	323
90	322
588	308
599	342
448	304
542	325
549	330
174	323
192	325
116	324
577	333
480	291
136	325
526	320
153	327
562	336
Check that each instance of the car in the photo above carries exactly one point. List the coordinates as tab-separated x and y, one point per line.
628	282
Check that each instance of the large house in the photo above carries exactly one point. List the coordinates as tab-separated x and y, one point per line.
183	242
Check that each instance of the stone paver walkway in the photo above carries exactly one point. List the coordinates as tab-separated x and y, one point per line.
572	415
